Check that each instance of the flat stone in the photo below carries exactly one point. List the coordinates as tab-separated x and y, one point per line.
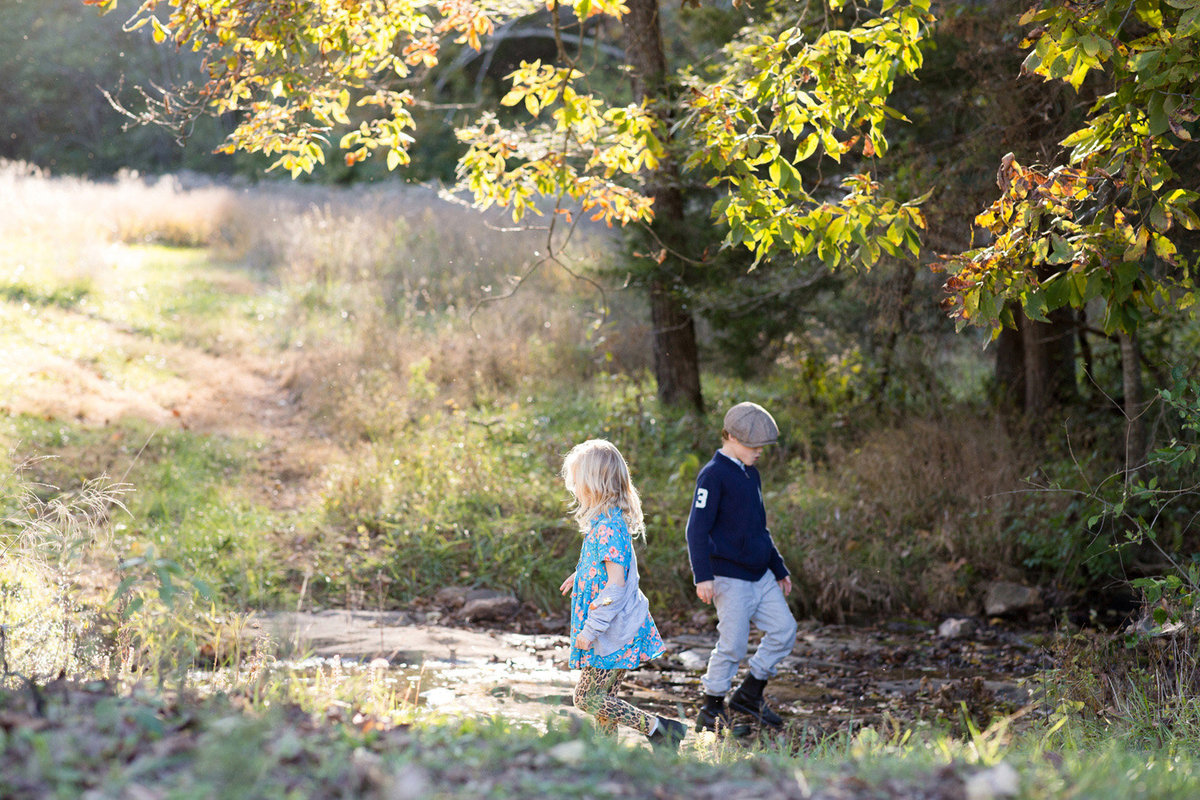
493	609
694	659
452	597
1005	598
957	628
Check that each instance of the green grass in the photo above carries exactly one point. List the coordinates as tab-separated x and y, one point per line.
210	748
191	501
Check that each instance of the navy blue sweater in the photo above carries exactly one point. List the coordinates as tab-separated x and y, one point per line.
727	529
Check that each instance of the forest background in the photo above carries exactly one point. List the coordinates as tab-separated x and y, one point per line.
434	363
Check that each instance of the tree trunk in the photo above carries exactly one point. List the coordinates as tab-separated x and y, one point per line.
1135	426
901	297
676	358
1035	364
1010	370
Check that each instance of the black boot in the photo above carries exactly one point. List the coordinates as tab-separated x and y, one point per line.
713	715
748	699
668	734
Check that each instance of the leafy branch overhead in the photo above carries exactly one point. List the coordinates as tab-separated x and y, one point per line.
1113	223
785	96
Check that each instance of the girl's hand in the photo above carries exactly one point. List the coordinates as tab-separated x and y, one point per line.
583	643
568	585
785	584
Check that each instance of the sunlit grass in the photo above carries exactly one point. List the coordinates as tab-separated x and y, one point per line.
38	635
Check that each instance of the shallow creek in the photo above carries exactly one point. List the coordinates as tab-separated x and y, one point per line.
837	679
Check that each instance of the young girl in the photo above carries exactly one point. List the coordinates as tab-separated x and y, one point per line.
611	627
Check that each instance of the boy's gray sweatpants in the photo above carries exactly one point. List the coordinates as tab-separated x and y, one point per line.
740	603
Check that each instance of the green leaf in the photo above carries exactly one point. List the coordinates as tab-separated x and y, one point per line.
1128	272
1146	62
1189	24
1081	136
124	586
1159	122
807	147
1057	291
134	607
1149	12
1160	218
1035	306
1095	46
1063	252
1164	248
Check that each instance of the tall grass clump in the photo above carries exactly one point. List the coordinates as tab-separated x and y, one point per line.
80	600
66	220
195	505
56	548
923	498
473	496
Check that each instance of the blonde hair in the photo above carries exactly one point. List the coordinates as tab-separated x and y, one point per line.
597	475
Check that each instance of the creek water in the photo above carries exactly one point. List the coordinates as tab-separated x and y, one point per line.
838	677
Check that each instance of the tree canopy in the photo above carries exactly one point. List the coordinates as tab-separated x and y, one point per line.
1115	220
306	77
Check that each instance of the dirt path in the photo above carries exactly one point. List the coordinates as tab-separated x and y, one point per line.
82	363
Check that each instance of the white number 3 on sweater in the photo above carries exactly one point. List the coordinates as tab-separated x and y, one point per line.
701	498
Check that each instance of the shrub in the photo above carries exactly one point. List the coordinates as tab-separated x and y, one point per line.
910	517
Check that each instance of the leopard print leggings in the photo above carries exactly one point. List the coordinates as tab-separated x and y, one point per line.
596	694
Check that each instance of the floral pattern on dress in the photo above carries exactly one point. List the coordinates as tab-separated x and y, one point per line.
608	540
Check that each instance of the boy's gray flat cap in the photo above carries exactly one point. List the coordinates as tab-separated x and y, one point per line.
751	424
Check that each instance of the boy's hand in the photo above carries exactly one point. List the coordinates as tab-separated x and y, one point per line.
583	643
568	585
785	584
704	590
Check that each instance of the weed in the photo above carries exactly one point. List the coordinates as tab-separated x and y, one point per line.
52	544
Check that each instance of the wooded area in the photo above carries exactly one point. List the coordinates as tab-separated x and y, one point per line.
950	245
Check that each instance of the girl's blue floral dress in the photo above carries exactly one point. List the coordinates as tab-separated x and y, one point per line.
608	540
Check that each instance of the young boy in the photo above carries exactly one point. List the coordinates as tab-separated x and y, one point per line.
737	568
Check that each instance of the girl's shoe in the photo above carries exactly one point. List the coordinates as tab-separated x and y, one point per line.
668	734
